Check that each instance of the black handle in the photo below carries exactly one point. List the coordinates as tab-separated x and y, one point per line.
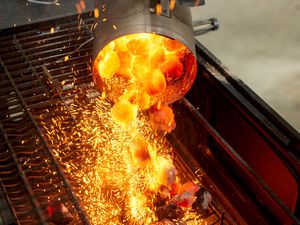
204	26
191	3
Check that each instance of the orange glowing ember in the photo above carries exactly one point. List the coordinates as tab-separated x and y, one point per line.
151	64
124	113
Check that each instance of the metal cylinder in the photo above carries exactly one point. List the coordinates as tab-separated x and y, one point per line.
119	18
191	3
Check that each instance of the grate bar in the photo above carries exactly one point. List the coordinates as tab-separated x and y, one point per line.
11	216
27	186
19	47
54	161
62	29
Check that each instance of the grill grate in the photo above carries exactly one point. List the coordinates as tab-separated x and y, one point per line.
30	176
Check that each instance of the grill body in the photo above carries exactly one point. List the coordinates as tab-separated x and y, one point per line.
226	136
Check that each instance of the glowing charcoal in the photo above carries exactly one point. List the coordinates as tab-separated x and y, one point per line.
108	48
175	187
172	45
189	187
138	46
157	58
121	44
162	118
185	199
172	69
109	65
150	63
140	151
186	195
144	101
139	66
124	113
59	214
125	64
155	83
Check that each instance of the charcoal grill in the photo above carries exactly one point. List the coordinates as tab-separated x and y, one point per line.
226	136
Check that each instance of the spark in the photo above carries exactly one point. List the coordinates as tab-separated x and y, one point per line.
113	156
100	163
96	13
158	9
172	4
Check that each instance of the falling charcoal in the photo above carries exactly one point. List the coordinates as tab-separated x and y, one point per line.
59	214
159	201
203	200
170	212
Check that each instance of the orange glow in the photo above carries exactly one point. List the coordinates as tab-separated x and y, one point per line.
172	4
155	83
96	13
124	113
161	67
140	150
109	65
158	9
162	118
172	68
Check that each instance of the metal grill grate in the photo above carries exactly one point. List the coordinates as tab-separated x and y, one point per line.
30	176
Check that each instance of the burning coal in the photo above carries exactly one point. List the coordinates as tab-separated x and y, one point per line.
122	176
116	155
144	69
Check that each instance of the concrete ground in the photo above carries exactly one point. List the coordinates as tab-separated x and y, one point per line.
260	43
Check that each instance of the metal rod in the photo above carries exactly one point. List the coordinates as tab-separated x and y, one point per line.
19	47
203	26
26	183
13	212
47	73
48	151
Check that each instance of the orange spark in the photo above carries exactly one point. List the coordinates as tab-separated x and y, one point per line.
82	4
96	12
